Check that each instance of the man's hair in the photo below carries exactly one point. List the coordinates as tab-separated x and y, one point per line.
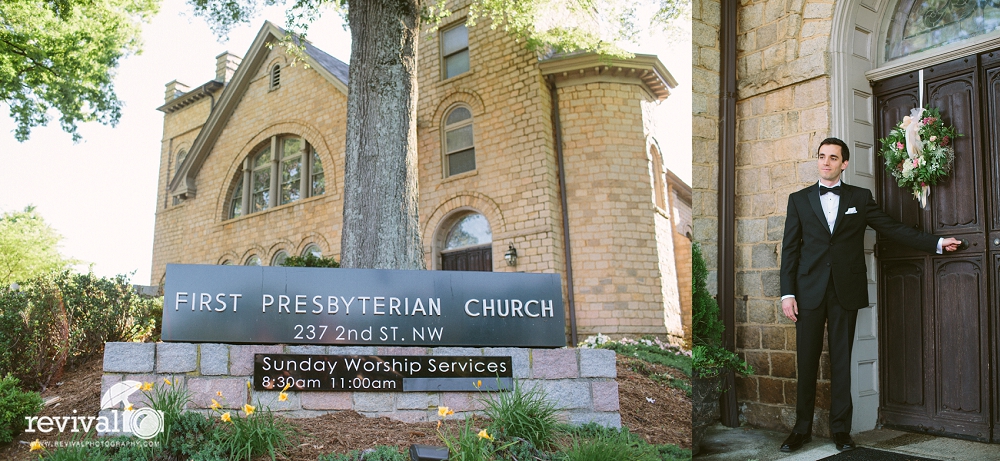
844	150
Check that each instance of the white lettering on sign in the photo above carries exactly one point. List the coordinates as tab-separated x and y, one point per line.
509	308
203	301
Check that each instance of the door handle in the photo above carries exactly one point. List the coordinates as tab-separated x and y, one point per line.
963	246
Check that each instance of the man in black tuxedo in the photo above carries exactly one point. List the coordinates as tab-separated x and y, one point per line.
824	281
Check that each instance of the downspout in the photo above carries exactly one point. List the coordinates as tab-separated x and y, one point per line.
726	269
557	135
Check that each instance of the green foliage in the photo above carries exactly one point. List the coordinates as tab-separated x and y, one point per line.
61	55
594	442
310	260
255	435
379	453
15	405
708	356
28	245
61	319
189	435
522	413
170	399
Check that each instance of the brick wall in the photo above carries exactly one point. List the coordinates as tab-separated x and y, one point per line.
580	382
619	287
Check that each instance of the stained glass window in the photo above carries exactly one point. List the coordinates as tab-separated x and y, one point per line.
919	25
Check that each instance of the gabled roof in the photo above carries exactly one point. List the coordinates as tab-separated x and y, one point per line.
331	68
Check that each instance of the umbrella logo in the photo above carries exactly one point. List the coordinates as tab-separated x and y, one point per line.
144	423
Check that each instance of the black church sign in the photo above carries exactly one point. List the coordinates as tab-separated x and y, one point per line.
297	305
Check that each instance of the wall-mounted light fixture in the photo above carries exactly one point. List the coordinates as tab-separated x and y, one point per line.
511	255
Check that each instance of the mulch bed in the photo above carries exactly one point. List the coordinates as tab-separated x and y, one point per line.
665	420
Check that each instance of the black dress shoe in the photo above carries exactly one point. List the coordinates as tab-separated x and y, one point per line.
795	441
843	441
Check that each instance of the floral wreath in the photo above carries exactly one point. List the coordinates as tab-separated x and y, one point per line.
918	151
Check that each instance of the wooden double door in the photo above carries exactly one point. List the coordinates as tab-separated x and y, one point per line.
475	258
939	315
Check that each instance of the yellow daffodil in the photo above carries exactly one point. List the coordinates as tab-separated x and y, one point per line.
218	393
479	383
248	409
147	386
485	435
439	423
444	411
168	382
225	417
36	445
282	397
248	384
129	407
287	385
215	405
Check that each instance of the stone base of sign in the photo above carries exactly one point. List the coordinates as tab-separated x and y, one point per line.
581	382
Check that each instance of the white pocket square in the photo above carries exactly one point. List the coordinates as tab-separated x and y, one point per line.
851	210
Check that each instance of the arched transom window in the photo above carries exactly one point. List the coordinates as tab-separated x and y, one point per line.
919	25
468	245
459	145
284	170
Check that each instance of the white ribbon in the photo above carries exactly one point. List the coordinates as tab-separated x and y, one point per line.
914	147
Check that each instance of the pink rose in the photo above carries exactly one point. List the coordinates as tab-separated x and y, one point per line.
899	145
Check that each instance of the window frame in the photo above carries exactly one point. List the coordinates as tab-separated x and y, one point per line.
245	177
446	56
445	129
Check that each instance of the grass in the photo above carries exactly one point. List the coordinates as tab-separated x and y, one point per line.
522	413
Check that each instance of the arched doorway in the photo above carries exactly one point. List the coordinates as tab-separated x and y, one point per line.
926	355
468	245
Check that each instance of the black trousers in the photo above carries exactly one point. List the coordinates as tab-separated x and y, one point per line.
840	324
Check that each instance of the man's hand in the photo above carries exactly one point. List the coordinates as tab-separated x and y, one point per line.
950	244
790	308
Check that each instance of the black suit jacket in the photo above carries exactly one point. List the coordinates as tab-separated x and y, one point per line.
810	253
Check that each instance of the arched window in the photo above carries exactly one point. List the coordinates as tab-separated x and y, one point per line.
181	155
227	263
459	145
253	260
919	25
659	184
284	170
275	77
468	246
279	258
312	249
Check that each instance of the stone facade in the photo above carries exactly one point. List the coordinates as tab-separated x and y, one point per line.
782	113
579	382
622	284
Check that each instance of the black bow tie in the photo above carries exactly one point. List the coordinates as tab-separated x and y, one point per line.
823	190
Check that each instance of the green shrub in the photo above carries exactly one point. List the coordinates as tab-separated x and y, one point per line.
15	404
62	319
524	413
170	399
310	260
379	453
595	442
189	435
252	435
709	357
469	445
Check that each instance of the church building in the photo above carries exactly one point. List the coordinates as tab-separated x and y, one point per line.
525	164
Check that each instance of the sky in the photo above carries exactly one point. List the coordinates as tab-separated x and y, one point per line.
100	193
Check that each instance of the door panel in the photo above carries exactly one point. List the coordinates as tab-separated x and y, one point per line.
936	337
470	259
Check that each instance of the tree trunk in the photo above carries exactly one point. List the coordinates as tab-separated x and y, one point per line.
381	229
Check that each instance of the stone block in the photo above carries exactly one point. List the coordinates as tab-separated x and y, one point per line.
748	337
776	227
462	401
746	388
458	351
352	350
764	256
272	400
176	357
606	419
396	350
761	311
374	401
773	338
597	363
326	401
409	416
214	359
565	394
748	284
203	390
751	230
241	357
759	361
605	395
783	365
129	357
307	349
771	283
520	359
554	364
772	391
418	401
